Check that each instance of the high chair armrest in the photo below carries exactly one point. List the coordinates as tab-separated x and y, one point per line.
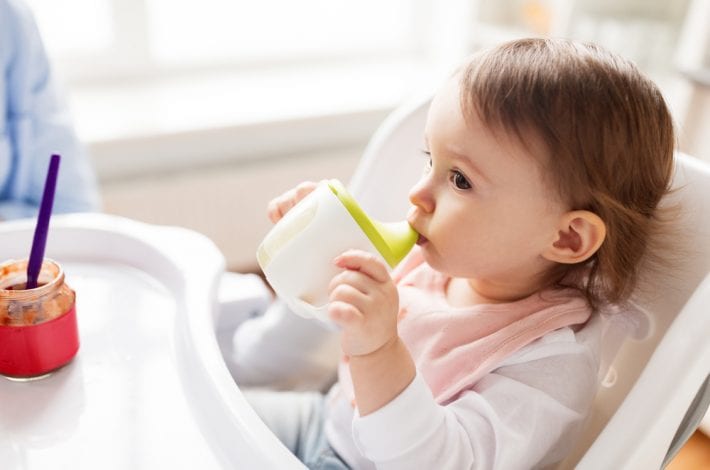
691	421
705	424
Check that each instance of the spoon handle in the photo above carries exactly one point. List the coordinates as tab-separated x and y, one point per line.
45	212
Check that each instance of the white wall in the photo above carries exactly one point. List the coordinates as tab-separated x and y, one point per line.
225	202
694	131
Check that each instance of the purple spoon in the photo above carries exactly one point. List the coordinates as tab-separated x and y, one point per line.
45	212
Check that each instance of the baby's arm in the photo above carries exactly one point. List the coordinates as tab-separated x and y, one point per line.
526	414
364	303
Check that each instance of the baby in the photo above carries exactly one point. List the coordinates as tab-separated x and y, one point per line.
545	164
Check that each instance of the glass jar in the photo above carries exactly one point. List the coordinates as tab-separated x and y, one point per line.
38	327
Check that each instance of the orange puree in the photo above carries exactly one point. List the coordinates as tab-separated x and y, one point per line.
22	307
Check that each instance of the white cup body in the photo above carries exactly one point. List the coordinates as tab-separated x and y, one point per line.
297	254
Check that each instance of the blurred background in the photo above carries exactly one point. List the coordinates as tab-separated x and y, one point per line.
197	112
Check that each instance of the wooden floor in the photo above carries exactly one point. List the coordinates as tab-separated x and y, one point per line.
695	454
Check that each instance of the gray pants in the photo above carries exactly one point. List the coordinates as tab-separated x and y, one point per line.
298	420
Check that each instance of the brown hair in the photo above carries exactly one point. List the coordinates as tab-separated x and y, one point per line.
608	136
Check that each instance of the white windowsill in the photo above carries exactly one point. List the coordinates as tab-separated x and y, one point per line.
182	122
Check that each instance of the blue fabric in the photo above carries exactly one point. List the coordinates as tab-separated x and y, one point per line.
298	420
35	124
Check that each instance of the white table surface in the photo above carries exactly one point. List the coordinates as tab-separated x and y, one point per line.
148	388
119	404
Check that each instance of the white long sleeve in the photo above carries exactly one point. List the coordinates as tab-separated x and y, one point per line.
284	351
523	415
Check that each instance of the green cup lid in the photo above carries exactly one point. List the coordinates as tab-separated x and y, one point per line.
392	240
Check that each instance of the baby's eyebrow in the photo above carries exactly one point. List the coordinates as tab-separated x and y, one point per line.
468	162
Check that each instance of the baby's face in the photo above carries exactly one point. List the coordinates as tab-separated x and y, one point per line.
481	204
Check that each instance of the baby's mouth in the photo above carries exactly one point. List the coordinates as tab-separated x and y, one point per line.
421	240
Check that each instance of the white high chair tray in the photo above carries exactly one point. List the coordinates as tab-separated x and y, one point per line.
148	388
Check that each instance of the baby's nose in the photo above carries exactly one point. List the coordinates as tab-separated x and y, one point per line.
421	197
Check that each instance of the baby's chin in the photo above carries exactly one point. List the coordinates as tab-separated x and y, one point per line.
437	263
431	257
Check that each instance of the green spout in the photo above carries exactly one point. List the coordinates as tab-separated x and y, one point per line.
392	240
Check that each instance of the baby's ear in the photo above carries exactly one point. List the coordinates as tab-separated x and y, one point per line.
579	236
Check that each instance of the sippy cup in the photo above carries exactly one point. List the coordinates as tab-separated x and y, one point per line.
297	255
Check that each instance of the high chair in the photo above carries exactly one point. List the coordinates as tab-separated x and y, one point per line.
654	391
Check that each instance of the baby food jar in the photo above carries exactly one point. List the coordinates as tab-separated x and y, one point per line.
38	328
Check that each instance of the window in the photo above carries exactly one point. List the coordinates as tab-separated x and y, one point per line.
119	38
74	28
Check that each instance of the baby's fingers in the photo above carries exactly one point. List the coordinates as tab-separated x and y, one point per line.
278	206
343	313
364	262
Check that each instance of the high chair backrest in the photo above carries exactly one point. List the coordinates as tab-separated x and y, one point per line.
392	162
656	374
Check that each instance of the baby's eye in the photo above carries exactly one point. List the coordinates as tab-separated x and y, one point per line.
459	180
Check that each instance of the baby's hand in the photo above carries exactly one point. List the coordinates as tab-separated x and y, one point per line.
364	303
278	206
